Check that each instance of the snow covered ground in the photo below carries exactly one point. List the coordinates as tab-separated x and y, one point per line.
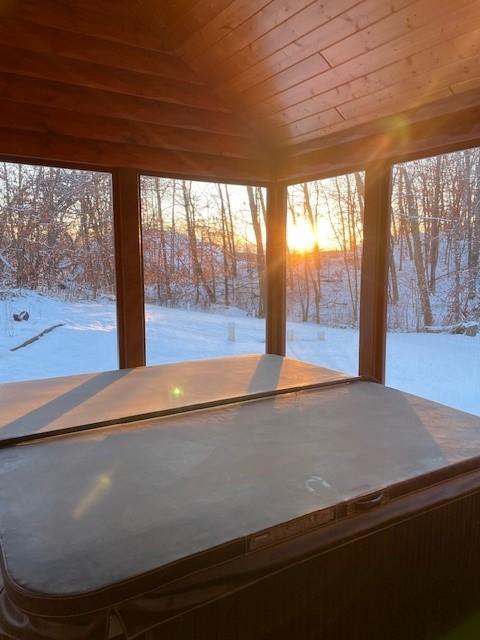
441	367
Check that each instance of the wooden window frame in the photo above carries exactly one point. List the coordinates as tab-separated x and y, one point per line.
374	271
374	282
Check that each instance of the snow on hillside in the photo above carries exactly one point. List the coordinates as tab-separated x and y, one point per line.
442	367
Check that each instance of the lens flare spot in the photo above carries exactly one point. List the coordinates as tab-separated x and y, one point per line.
98	489
177	392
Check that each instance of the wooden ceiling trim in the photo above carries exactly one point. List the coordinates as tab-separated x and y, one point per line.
42	39
232	16
48	120
392	139
399	76
95	76
57	14
441	101
366	127
104	103
278	50
465	21
25	146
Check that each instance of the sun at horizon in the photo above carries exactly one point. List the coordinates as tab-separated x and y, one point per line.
301	238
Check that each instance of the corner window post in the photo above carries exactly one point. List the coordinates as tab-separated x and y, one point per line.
276	272
374	283
129	268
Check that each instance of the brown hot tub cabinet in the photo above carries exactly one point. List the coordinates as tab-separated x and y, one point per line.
272	499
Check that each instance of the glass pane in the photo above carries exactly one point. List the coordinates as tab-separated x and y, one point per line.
324	237
57	273
204	261
433	342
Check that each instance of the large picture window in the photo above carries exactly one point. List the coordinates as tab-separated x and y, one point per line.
433	343
204	263
324	239
57	274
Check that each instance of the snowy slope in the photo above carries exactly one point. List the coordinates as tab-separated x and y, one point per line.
441	367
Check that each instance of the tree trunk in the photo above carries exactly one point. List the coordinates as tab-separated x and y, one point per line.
260	256
417	250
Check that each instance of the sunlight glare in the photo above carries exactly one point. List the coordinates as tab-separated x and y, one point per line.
98	489
301	238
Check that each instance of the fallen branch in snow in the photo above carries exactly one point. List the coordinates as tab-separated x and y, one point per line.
6	263
38	336
467	328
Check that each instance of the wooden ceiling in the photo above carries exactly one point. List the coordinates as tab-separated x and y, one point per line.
218	87
302	69
84	81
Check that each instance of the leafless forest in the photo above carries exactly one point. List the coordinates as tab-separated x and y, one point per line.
435	247
56	231
204	243
325	248
434	266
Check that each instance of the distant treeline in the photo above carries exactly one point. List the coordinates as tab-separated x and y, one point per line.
204	243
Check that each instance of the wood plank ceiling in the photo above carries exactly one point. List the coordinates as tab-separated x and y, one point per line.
313	70
85	81
218	87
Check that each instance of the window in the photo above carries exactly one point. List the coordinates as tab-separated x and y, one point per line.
433	342
204	263
57	275
324	238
